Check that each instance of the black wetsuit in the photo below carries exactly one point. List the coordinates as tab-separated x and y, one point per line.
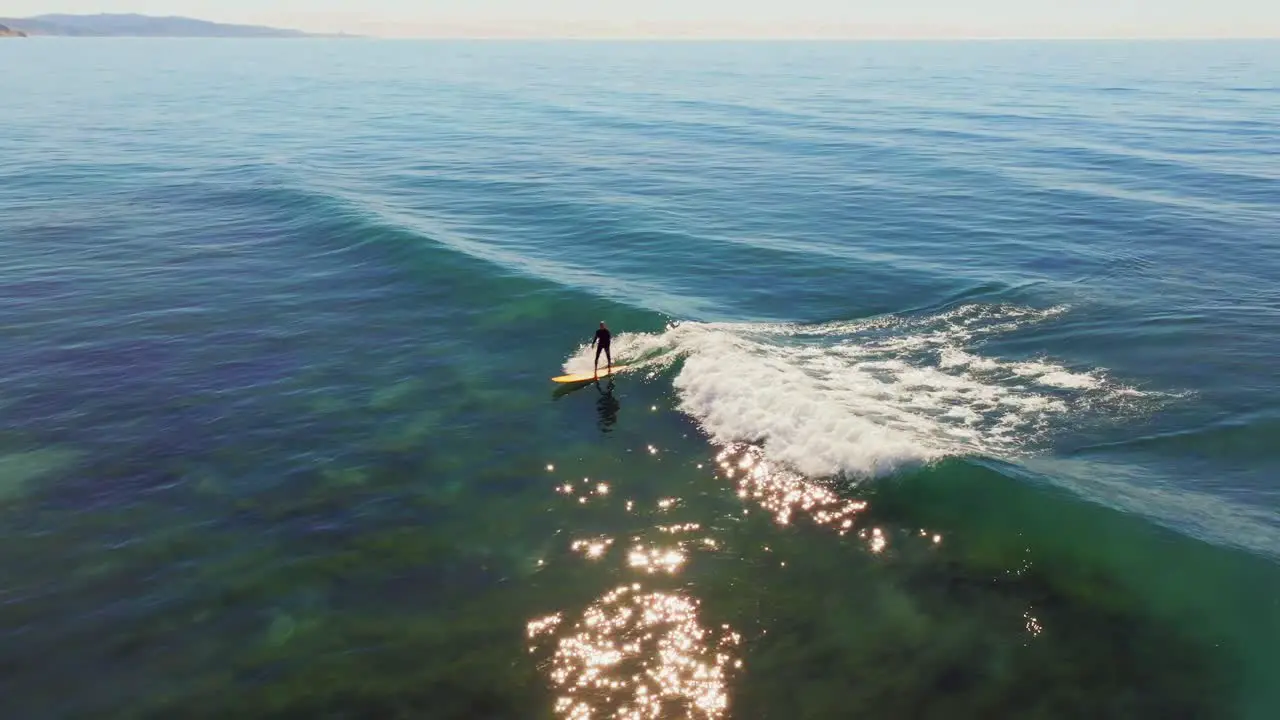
603	338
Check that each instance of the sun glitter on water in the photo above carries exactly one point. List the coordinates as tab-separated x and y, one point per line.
785	494
592	549
635	654
654	560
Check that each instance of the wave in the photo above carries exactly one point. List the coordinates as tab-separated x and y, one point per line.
866	398
1132	487
790	403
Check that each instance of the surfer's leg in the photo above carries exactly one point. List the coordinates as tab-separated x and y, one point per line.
608	356
596	367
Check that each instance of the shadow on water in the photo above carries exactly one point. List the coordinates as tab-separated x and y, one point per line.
569	388
607	407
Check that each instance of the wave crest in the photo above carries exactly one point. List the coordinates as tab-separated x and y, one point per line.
868	398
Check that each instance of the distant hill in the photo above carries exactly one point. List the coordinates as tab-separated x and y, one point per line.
107	25
6	31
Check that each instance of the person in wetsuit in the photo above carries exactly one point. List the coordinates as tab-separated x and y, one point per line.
601	343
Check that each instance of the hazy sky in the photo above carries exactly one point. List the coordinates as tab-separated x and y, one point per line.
789	18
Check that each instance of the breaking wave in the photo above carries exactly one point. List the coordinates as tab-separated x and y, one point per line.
866	398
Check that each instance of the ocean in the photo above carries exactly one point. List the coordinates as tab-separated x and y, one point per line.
952	393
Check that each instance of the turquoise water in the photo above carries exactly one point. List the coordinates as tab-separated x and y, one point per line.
954	389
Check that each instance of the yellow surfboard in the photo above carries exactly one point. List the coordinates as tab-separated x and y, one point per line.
588	377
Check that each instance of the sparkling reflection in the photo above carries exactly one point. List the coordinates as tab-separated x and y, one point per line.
636	654
673	529
545	624
784	493
653	560
1033	624
877	541
937	538
599	489
592	549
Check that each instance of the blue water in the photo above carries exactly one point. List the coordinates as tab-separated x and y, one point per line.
954	388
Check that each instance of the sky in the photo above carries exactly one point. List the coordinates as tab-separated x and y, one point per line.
715	18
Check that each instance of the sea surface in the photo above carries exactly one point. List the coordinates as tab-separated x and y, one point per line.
953	387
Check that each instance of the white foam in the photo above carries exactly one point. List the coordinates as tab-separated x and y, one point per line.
867	398
1063	379
638	349
811	423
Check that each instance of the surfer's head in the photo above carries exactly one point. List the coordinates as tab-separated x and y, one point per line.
601	324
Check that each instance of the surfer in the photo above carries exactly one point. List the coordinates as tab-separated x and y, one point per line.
601	343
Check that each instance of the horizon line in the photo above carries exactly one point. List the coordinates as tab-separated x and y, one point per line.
386	29
812	38
343	35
